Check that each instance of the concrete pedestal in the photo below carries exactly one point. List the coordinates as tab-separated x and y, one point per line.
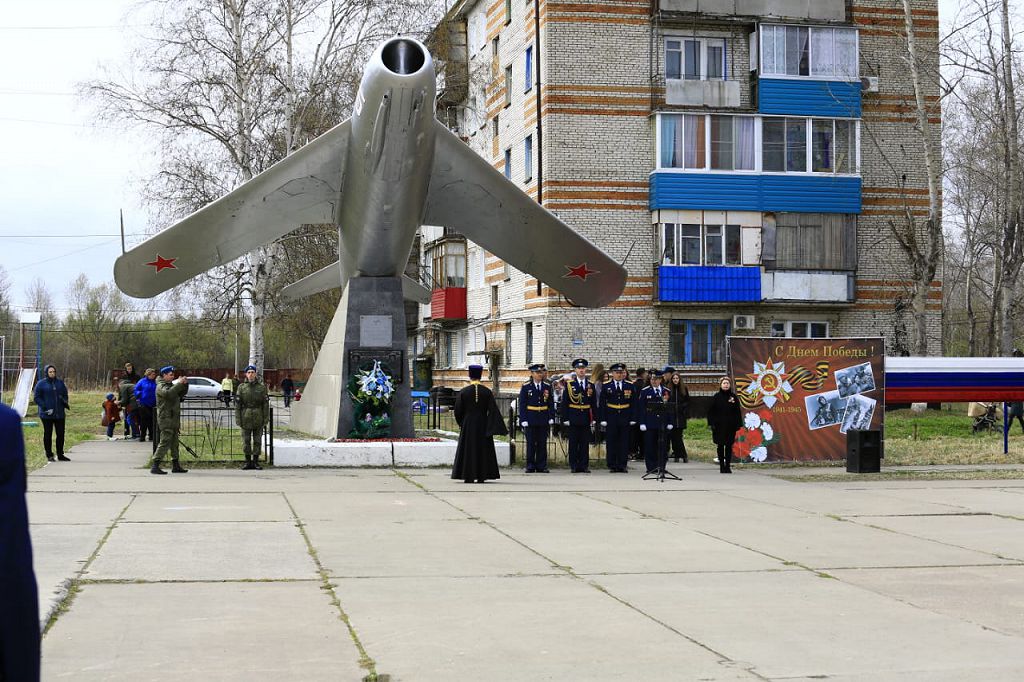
305	453
371	314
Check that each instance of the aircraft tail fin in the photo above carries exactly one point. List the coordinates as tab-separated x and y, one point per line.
332	277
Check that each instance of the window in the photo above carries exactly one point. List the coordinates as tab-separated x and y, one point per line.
528	157
822	52
494	127
508	12
508	163
529	343
695	59
448	264
528	70
494	296
508	85
686	140
815	241
800	330
508	343
697	342
699	142
683	244
478	268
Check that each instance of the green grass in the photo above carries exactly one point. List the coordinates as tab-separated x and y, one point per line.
81	423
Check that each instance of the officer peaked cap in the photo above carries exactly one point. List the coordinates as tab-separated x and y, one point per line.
656	373
579	362
617	367
537	367
669	370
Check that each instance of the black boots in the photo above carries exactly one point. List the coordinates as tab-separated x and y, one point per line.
62	458
51	458
155	469
177	469
251	465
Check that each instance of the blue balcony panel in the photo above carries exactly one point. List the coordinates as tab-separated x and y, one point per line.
765	193
708	284
796	97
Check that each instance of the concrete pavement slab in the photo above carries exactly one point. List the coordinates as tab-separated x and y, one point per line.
384	507
192	506
201	631
983	500
528	628
839	501
58	553
203	551
992	596
70	508
692	504
797	624
419	548
994	535
823	543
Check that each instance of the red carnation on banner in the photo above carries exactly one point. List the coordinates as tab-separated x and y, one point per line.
765	415
741	448
754	438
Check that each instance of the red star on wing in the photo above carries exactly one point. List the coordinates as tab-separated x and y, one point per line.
162	263
581	271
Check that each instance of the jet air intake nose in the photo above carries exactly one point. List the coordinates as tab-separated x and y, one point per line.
403	57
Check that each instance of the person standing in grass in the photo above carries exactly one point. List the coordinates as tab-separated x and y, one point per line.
51	397
252	414
111	415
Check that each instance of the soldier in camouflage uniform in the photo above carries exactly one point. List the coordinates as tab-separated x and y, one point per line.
252	412
169	394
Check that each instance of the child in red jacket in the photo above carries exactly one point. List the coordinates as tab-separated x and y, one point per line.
111	415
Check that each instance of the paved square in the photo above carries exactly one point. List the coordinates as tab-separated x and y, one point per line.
294	574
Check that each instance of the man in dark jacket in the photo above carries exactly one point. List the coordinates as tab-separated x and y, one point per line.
51	397
145	397
126	397
288	388
578	412
655	421
616	410
19	613
252	413
169	393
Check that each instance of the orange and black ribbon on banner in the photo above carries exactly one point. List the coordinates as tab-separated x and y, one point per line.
809	380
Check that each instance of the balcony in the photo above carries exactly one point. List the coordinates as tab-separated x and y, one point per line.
811	10
808	193
708	284
795	97
718	94
807	287
448	304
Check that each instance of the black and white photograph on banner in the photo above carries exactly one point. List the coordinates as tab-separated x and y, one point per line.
859	411
854	380
824	409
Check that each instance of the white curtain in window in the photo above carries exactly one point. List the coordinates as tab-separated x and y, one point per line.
846	53
695	142
744	141
822	58
671	142
769	65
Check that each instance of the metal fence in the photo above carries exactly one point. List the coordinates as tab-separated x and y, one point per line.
208	430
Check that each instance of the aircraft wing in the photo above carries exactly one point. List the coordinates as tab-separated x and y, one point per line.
468	195
303	188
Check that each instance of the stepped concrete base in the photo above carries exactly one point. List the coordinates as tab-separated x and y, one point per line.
311	453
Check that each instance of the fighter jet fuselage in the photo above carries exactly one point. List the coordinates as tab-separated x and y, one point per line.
390	154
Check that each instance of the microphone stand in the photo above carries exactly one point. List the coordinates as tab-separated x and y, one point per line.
661	473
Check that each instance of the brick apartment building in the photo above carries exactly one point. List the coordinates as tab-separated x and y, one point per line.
744	158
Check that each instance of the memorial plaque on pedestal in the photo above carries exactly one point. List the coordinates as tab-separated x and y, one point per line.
359	358
375	331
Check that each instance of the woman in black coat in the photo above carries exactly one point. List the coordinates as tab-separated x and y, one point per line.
725	420
679	402
477	415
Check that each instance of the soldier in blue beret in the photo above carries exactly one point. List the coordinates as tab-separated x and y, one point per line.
536	414
656	421
579	409
615	410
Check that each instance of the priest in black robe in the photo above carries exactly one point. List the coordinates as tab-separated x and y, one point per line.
479	420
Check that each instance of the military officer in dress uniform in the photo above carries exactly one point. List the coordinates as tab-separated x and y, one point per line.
656	420
579	409
615	409
536	414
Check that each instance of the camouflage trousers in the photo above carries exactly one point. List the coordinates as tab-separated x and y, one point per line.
252	441
168	443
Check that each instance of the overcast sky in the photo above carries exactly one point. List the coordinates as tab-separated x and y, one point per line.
62	179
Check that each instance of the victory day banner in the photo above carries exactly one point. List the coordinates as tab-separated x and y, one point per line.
799	397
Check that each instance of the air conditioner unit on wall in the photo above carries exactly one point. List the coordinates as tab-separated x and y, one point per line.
742	322
869	84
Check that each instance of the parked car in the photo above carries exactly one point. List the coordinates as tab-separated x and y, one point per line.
201	388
